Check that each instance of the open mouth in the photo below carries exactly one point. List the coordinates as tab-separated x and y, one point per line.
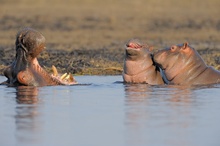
132	45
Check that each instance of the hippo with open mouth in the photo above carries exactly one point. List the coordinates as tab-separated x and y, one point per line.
138	64
183	65
25	69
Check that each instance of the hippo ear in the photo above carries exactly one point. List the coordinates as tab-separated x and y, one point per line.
185	45
186	48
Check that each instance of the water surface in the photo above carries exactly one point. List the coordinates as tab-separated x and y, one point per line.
103	112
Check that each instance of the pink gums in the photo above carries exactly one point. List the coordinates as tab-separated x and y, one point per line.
133	45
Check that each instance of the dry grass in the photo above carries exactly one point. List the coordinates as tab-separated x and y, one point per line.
70	25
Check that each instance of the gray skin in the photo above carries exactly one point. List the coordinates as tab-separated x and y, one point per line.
25	69
138	64
183	65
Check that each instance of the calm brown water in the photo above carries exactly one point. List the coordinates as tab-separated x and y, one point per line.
105	113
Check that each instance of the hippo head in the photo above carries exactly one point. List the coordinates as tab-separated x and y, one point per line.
25	70
176	54
176	59
136	50
138	64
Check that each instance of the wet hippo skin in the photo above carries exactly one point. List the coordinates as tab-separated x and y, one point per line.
25	69
138	64
183	65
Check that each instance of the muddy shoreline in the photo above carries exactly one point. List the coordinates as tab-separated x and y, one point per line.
78	61
98	61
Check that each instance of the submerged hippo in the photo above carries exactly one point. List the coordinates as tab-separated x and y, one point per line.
25	69
183	65
138	64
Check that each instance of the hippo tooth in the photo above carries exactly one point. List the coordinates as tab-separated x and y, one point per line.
67	77
63	76
71	78
55	72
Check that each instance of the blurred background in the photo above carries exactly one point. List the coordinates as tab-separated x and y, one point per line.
88	36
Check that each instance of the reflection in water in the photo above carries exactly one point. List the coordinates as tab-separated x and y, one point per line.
26	114
137	99
27	95
137	92
145	103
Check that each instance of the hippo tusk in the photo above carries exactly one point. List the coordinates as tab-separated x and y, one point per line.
71	78
55	72
63	76
67	77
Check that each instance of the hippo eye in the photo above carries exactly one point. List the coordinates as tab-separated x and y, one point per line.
173	48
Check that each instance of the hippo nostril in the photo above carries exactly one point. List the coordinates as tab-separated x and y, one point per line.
173	48
21	46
